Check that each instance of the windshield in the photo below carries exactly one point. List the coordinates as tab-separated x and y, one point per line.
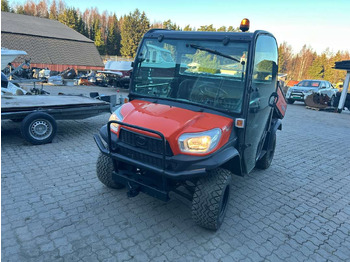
309	83
205	73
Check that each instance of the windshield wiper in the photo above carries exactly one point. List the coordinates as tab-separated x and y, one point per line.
213	52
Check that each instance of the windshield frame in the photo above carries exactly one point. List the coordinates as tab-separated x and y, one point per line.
245	71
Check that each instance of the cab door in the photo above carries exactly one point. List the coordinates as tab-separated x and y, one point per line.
263	84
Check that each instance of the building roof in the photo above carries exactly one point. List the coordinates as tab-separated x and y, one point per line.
36	26
47	41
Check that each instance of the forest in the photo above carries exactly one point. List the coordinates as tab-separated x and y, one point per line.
120	36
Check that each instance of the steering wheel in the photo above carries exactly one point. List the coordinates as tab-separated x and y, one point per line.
211	90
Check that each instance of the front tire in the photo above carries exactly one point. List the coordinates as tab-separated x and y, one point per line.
104	170
290	101
210	199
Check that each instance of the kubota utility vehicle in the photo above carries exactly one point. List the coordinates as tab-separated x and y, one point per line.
203	106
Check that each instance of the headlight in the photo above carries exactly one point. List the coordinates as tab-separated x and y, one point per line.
200	143
116	116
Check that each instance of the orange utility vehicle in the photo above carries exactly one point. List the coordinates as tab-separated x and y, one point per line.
203	106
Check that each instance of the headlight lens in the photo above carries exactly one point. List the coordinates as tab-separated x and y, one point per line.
116	116
199	143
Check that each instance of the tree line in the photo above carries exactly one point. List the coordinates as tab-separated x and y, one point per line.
121	36
307	64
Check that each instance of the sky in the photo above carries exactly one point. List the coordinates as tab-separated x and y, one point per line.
319	24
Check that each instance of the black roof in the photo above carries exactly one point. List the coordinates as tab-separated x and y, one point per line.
47	41
200	35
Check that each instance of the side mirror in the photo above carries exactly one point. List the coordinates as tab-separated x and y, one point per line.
254	105
273	99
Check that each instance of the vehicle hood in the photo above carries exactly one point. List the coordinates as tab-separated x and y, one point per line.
173	121
303	89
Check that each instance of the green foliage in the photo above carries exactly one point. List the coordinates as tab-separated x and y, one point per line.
317	69
99	43
207	63
188	28
53	11
170	25
207	28
284	58
69	18
265	66
135	25
232	29
5	7
221	29
113	37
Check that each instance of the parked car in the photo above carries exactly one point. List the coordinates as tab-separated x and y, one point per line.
306	87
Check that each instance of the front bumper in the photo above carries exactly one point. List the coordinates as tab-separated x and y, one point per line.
299	96
180	167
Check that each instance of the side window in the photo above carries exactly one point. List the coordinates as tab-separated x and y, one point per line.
265	61
265	71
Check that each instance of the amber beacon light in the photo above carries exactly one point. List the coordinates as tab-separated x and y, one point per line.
244	25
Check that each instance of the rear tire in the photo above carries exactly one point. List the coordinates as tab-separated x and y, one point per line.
290	101
104	170
210	199
266	160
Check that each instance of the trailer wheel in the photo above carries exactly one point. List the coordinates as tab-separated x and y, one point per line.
210	199
266	160
290	101
104	169
38	128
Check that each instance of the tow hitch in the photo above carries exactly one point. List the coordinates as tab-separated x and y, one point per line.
133	189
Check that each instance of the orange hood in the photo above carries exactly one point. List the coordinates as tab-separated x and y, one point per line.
173	121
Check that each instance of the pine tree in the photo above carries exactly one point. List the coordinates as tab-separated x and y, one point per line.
99	43
170	25
53	11
5	7
134	26
284	58
207	28
222	29
113	36
188	28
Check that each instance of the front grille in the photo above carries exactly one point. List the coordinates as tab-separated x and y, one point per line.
146	159
150	144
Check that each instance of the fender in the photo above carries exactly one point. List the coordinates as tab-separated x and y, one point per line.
276	124
232	161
